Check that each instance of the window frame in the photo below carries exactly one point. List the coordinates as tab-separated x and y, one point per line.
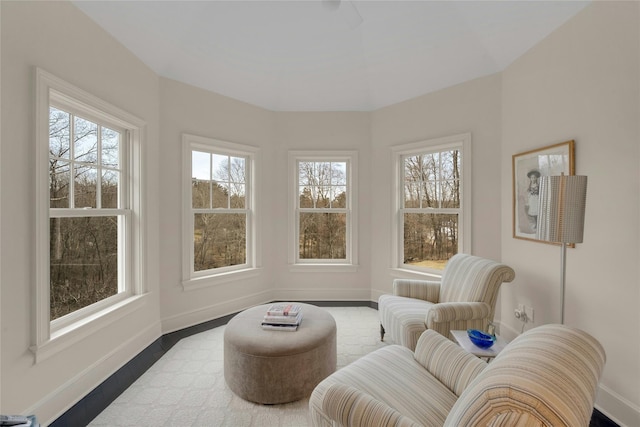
350	263
51	336
195	280
399	152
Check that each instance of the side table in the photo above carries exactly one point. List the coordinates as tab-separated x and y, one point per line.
463	341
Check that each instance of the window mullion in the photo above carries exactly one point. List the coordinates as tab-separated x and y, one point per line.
228	182
72	164
210	180
439	181
125	152
89	212
98	167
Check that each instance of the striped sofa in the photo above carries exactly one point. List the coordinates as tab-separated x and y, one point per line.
547	376
464	298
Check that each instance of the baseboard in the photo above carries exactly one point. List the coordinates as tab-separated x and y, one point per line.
102	396
100	372
327	294
213	311
608	403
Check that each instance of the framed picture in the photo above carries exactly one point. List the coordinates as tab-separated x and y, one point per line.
528	167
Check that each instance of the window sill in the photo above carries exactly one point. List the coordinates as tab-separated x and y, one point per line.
323	268
406	273
64	338
219	279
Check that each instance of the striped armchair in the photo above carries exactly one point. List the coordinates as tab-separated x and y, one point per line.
548	376
464	298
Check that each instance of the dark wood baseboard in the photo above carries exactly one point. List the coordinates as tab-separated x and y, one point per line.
103	395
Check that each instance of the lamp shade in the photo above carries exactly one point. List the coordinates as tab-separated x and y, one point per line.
562	202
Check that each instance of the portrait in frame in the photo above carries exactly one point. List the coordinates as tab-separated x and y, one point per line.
527	169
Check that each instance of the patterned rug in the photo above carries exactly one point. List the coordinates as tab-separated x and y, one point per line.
186	386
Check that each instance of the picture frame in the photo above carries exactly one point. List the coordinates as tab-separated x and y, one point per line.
527	167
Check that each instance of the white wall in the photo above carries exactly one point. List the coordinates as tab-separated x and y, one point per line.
322	131
57	37
581	83
186	109
472	107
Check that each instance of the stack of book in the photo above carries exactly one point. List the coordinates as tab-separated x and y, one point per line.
282	317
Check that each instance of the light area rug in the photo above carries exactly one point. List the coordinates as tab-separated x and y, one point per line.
186	386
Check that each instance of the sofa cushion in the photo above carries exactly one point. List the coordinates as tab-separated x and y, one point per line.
393	376
448	362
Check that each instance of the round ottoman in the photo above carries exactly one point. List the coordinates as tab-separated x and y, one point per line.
272	367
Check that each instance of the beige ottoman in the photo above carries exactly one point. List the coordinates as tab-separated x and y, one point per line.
277	366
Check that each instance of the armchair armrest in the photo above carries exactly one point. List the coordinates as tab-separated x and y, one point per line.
449	363
450	311
349	406
421	289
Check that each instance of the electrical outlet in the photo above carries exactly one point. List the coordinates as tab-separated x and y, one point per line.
520	313
528	311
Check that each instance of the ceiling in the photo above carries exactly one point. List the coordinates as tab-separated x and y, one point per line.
328	55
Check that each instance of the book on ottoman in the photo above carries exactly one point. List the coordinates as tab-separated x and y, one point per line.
282	317
285	309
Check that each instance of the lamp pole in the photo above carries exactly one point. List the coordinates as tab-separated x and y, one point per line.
561	217
563	274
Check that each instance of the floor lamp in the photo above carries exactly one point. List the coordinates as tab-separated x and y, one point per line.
561	216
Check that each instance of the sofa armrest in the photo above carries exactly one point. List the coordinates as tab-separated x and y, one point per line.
547	376
450	311
426	290
348	406
449	363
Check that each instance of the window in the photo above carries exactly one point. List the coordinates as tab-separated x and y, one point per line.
219	208
323	201
89	212
432	201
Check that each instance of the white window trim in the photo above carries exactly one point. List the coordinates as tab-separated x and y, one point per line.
190	279
324	266
464	243
51	337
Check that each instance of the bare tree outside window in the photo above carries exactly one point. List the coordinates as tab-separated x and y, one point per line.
83	174
430	207
322	195
219	203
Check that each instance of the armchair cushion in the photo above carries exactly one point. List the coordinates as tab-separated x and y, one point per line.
404	318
